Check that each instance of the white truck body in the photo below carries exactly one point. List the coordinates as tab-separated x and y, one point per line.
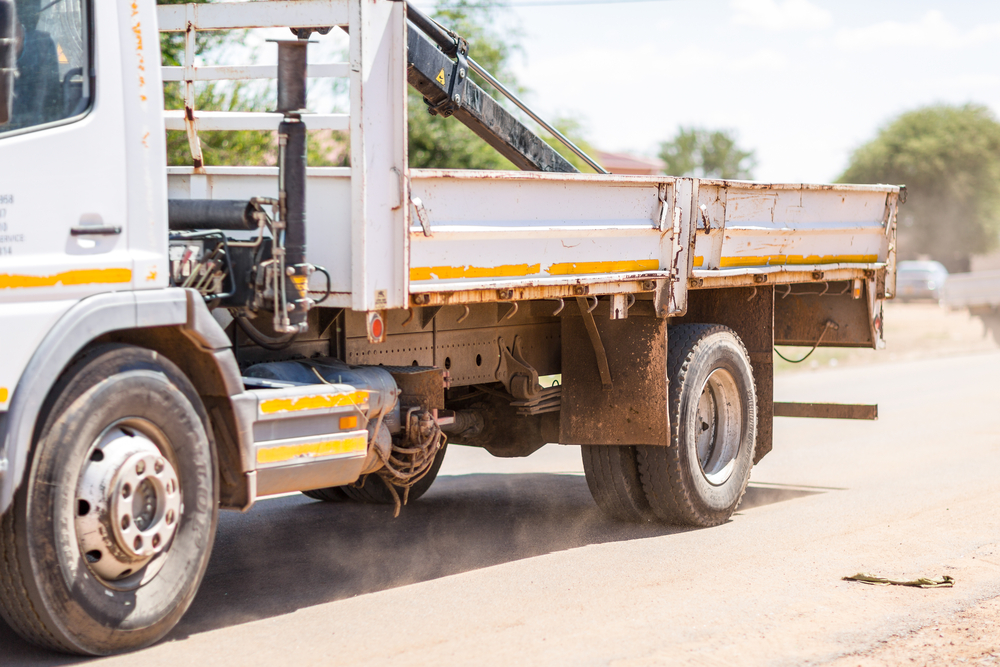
979	290
397	242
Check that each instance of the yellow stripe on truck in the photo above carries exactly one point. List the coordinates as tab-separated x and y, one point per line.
627	266
314	402
787	260
466	272
76	277
354	443
3	394
419	273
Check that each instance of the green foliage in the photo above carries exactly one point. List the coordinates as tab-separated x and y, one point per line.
172	43
235	148
949	159
238	148
707	154
445	143
434	142
572	129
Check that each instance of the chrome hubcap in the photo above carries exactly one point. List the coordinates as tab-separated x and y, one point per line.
718	428
128	503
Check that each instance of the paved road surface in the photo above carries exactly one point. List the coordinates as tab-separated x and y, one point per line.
509	562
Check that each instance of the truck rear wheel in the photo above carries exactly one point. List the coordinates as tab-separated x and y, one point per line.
699	479
110	533
613	477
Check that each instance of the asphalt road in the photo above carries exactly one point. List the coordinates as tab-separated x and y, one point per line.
509	562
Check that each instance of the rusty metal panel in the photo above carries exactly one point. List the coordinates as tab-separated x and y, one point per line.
419	386
464	344
826	410
750	312
472	356
800	317
633	411
398	350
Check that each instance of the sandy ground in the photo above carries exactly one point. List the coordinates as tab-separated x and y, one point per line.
913	331
971	637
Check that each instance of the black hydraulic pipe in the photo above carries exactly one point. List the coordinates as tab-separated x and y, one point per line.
226	214
292	139
292	76
294	177
430	27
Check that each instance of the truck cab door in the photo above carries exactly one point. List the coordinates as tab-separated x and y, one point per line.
63	199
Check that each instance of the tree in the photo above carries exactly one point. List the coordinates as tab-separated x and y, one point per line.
232	147
707	154
949	159
445	143
434	142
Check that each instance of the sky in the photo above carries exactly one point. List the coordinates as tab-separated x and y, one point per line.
802	82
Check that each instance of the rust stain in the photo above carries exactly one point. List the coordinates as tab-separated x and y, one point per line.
137	31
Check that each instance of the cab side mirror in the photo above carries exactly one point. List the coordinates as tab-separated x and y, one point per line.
8	58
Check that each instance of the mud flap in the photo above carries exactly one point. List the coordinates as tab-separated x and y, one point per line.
632	410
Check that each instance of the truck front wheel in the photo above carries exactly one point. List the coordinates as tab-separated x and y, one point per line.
110	533
699	479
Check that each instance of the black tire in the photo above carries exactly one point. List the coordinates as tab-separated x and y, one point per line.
613	477
331	494
49	594
710	373
371	489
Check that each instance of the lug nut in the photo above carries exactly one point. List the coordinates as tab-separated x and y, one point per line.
140	467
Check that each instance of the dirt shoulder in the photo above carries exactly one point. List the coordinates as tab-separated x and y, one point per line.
971	637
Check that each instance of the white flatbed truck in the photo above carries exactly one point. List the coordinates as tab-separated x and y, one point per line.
173	345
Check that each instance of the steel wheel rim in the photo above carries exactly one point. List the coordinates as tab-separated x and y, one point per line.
718	426
127	505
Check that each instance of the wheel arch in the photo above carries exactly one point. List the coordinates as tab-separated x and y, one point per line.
172	322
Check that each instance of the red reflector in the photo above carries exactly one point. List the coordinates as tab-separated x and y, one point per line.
376	327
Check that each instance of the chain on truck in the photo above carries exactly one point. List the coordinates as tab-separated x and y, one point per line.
180	340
